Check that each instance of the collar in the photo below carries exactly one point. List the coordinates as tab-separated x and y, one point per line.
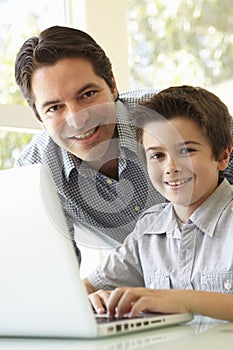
166	221
125	128
207	215
69	162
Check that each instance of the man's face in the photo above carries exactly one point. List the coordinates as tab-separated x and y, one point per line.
76	107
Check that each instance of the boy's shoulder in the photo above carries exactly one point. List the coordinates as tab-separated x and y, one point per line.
156	219
155	210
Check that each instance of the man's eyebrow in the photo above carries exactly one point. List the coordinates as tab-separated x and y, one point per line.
86	87
49	103
80	91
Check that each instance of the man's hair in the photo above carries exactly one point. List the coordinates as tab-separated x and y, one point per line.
195	103
52	45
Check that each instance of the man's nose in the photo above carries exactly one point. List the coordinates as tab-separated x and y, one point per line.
77	117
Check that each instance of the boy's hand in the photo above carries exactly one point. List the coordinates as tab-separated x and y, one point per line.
135	300
99	300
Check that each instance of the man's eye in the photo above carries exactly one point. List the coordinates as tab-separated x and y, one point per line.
53	108
89	94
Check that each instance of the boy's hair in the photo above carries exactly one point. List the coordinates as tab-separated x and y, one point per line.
195	103
52	45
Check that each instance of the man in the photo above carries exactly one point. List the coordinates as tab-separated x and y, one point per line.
88	143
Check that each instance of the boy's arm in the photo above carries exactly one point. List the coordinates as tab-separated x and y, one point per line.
90	288
211	304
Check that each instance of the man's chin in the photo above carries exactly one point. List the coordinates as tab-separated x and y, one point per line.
94	155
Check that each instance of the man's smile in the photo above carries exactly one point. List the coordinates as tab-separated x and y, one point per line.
86	135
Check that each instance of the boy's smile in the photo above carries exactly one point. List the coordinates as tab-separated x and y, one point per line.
180	163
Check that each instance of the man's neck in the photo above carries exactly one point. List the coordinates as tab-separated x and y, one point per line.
108	164
110	169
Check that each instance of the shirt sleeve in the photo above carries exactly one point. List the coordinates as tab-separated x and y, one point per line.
121	268
34	151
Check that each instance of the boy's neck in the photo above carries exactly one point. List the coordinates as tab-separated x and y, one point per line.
184	212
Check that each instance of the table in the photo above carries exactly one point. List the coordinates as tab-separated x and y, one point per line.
200	334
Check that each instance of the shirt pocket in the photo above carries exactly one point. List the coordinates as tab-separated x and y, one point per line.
158	282
219	282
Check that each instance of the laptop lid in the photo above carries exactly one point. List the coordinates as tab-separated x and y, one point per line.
41	290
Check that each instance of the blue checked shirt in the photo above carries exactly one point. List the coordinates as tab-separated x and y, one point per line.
92	198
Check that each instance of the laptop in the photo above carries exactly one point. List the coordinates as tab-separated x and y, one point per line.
42	294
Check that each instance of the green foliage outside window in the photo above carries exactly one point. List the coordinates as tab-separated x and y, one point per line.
11	145
180	41
12	142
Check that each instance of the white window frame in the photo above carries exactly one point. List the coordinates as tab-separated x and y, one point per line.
106	21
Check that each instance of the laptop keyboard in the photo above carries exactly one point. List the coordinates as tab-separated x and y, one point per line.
106	319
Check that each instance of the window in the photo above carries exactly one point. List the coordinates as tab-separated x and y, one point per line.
182	42
19	20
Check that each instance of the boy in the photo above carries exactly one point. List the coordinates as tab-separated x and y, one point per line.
179	257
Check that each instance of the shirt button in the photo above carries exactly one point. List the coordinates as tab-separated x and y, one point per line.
109	181
137	208
227	285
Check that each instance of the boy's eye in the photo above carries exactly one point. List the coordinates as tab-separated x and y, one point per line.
187	150
157	155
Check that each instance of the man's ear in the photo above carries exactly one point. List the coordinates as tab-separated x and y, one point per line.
43	126
114	87
224	158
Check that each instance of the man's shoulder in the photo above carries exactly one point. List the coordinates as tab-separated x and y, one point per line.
35	150
135	97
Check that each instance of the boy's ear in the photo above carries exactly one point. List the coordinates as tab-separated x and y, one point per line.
224	158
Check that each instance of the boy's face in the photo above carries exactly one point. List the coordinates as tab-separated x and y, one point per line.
180	162
76	106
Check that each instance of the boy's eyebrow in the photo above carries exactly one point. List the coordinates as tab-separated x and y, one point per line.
152	149
188	143
85	87
156	148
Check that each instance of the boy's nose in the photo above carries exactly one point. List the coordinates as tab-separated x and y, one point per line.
172	166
